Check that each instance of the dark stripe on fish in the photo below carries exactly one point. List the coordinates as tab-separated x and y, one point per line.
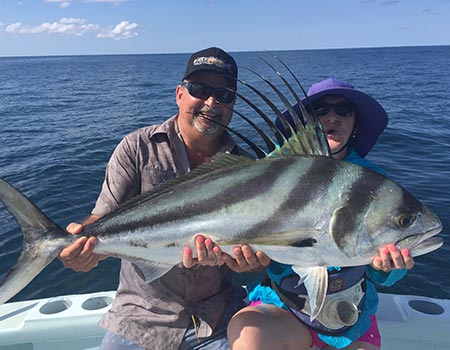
321	172
347	219
211	204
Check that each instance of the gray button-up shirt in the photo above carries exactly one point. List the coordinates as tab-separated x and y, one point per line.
155	315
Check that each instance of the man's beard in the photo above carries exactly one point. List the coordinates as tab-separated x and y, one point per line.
202	121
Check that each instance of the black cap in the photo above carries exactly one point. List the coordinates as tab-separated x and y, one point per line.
215	60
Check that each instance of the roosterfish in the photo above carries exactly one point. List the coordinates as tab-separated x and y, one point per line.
294	202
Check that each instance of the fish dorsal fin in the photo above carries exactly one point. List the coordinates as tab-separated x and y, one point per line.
305	137
223	160
297	131
305	134
302	132
218	162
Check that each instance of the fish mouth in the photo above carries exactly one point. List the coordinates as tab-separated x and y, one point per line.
422	243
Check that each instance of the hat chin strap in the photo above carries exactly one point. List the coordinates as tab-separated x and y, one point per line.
352	136
340	149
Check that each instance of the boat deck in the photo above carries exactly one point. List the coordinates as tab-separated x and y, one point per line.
70	322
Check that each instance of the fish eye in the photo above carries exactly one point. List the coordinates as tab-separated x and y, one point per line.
404	220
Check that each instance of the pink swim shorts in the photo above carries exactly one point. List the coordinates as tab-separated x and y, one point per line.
372	335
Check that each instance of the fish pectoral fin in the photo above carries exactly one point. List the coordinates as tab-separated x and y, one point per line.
315	280
151	270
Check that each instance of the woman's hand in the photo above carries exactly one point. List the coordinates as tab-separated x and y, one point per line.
209	254
391	258
246	260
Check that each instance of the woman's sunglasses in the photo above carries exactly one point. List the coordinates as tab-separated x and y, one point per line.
342	109
204	91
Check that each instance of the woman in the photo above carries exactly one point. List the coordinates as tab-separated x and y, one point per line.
277	318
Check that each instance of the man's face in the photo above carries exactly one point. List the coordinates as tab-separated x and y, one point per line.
197	111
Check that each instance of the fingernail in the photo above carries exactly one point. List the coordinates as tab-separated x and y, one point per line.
384	251
199	239
393	248
405	252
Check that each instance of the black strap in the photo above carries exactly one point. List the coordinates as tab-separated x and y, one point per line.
291	300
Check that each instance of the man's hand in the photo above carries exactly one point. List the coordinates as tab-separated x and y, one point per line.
79	255
391	258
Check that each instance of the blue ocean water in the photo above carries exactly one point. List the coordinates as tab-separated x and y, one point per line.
61	117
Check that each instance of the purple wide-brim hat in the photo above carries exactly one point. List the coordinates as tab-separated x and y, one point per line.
372	119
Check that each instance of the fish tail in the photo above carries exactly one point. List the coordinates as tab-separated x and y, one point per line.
42	241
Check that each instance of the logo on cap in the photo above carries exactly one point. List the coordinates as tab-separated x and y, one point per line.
209	60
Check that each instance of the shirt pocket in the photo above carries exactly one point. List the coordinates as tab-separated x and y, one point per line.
154	175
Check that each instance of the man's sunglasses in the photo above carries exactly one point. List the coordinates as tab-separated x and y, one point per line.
342	109
204	91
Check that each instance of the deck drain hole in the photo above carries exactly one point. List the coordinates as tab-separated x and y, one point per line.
55	307
427	307
96	303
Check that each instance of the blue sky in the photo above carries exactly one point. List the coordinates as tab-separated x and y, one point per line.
78	27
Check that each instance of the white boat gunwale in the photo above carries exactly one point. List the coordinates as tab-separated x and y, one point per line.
70	322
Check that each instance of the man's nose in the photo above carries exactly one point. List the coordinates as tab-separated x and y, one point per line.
211	101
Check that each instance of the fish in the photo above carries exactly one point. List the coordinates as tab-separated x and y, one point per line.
294	202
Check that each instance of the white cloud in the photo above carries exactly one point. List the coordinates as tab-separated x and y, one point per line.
124	30
62	3
67	3
76	27
72	20
115	2
390	2
428	11
13	28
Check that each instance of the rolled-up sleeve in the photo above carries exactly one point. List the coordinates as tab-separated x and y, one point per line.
121	179
385	279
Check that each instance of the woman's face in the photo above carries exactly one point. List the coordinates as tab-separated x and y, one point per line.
337	116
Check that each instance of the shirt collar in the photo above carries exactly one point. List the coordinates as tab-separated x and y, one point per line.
170	127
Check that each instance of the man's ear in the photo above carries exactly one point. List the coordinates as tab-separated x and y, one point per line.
179	91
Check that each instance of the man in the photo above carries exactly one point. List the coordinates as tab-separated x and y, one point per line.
190	305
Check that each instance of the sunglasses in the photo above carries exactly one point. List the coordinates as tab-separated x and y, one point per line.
342	109
204	91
